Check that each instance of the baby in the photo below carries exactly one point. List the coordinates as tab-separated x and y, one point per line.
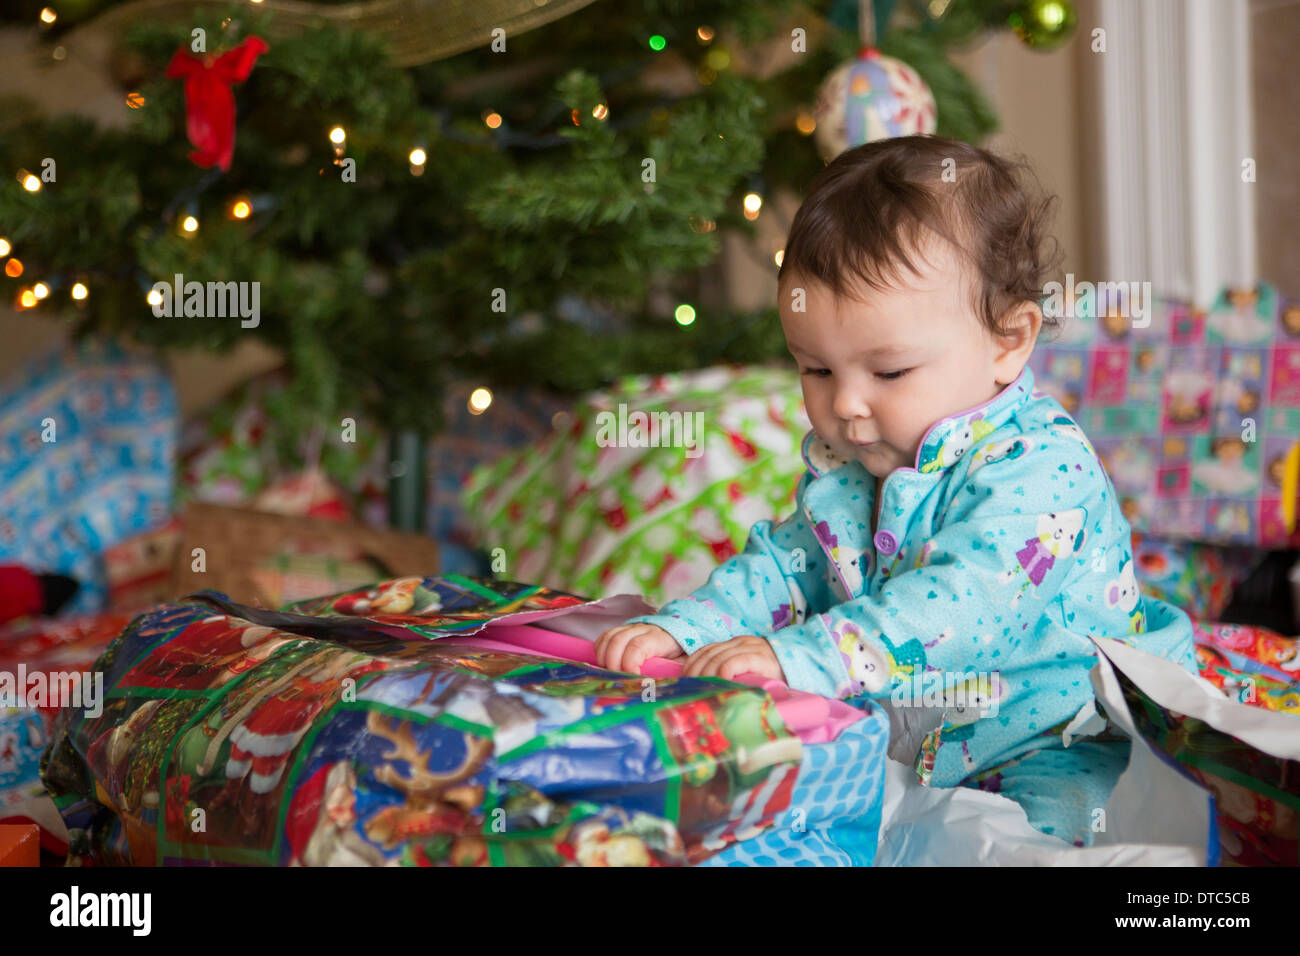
956	540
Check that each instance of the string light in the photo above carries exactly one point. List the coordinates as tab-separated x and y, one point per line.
135	100
657	43
241	209
4	246
601	111
705	35
753	203
27	299
14	268
684	314
79	291
40	290
48	16
337	136
779	257
30	182
154	297
417	159
805	123
493	120
190	224
479	400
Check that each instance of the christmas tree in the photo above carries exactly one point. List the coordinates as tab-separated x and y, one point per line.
536	208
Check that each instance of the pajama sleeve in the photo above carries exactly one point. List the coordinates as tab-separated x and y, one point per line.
757	591
1012	532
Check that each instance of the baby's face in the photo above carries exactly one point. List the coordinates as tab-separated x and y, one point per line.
878	373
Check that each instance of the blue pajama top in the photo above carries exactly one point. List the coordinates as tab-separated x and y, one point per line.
996	559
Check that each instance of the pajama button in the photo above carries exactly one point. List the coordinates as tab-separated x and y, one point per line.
886	543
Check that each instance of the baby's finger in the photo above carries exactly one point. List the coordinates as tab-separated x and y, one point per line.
698	663
739	663
609	646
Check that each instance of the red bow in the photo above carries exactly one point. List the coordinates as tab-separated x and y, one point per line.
209	103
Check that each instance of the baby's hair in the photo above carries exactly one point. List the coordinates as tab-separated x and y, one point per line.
871	207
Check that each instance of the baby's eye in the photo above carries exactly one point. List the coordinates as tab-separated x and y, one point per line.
890	376
815	371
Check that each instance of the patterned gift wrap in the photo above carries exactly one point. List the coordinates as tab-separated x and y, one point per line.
1257	794
576	512
1195	414
361	729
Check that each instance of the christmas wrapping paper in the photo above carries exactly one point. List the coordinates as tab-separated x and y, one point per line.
32	652
1195	414
88	439
1242	746
366	728
575	512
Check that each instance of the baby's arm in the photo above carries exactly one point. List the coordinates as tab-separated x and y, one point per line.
772	583
1011	534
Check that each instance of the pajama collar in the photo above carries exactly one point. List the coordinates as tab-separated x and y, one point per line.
956	433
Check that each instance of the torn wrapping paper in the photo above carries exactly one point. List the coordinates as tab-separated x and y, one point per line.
1243	753
1156	815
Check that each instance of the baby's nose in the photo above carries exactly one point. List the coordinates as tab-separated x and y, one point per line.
850	404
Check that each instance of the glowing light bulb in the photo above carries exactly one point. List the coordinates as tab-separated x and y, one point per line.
79	291
337	136
40	290
479	400
241	209
31	183
154	297
48	16
418	157
4	247
14	268
493	120
600	112
753	203
28	299
190	224
779	257
684	314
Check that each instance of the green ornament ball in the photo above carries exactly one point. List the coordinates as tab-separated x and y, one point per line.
1043	24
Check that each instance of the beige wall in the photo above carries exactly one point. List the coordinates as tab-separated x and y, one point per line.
1275	38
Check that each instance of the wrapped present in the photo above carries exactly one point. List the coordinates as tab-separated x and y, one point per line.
87	454
1196	414
418	722
41	659
634	494
1199	578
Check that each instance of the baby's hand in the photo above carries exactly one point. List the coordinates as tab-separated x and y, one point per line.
627	646
726	659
